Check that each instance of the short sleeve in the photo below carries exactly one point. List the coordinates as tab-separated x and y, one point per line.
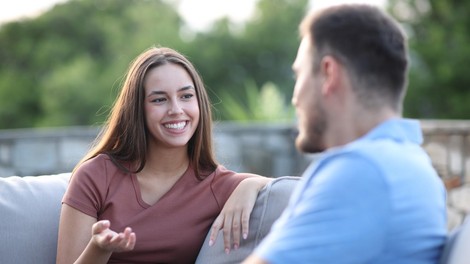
339	217
87	189
224	183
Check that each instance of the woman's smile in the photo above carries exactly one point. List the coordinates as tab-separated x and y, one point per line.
176	125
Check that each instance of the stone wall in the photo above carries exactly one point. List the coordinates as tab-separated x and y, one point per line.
448	144
43	151
266	149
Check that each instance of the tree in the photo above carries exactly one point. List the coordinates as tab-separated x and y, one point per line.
66	66
266	104
439	36
63	67
261	50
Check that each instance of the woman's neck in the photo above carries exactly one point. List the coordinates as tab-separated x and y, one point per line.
166	163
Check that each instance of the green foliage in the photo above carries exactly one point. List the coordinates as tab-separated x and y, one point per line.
65	67
265	104
261	50
80	94
18	105
439	36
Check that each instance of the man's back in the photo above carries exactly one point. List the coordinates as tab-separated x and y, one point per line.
376	200
416	228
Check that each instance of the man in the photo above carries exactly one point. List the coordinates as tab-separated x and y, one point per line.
373	197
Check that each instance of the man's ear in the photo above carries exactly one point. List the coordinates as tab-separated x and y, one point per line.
330	70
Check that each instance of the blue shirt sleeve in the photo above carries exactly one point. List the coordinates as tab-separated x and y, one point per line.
338	216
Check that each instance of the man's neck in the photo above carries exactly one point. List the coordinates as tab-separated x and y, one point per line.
346	128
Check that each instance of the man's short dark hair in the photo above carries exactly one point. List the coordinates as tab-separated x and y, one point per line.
369	43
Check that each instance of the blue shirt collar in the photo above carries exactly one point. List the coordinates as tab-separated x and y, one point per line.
399	129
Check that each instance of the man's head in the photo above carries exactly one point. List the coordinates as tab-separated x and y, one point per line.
363	44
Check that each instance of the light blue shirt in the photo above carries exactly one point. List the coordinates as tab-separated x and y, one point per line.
375	200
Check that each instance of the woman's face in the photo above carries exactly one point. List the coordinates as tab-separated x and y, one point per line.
171	107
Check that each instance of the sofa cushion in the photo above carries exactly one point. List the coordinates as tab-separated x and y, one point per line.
30	210
268	207
29	217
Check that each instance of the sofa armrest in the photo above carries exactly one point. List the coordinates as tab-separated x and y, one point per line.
457	245
29	217
271	201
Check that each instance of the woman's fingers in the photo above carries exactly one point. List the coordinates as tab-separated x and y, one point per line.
100	227
227	229
216	226
112	241
124	241
234	217
129	238
245	223
229	222
236	230
131	242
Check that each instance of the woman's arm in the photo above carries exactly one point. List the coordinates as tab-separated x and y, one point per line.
76	244
235	215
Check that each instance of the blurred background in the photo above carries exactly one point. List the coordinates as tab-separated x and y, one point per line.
62	61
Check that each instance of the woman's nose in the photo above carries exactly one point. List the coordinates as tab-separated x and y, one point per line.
175	109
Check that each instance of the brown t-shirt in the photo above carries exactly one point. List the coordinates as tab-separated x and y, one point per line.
170	231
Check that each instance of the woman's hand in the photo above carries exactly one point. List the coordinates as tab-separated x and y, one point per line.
108	240
235	215
76	244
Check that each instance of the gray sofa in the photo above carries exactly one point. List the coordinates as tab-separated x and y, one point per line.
30	208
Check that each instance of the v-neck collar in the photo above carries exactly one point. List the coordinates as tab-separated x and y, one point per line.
138	193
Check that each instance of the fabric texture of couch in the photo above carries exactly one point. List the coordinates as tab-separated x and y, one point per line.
30	209
456	250
268	207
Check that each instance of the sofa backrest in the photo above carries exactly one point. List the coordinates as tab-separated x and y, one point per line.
268	207
29	217
30	211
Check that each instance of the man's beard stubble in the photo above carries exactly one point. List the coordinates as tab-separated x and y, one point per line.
313	140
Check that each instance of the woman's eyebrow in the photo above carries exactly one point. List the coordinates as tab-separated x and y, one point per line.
158	92
188	87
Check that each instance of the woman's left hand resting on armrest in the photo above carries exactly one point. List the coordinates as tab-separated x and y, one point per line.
235	215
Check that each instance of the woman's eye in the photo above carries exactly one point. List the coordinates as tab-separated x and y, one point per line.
158	100
187	96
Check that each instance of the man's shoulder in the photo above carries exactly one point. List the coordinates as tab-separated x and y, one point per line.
389	163
345	169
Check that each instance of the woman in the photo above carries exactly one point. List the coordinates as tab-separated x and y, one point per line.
150	188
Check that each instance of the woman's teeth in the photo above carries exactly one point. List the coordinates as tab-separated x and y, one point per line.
179	125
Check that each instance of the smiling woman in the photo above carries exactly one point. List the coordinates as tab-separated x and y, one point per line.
152	174
171	106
